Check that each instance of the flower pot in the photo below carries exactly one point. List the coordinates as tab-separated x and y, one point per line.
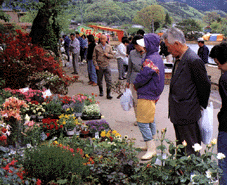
39	118
70	132
84	134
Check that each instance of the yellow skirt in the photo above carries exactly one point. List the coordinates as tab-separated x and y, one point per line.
145	111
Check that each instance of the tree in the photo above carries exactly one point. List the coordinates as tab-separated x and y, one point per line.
211	17
190	27
168	20
149	15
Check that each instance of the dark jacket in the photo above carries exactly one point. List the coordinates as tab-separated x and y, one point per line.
203	53
149	81
189	89
66	41
222	115
90	50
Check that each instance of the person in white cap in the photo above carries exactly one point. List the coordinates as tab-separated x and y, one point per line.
203	51
149	84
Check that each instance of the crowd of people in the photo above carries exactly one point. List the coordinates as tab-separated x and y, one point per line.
189	89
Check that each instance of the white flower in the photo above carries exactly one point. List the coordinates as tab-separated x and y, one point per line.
27	118
8	127
39	113
184	143
29	145
208	174
34	111
220	156
7	133
197	147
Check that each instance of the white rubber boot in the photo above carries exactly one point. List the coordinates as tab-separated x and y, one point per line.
143	148
151	150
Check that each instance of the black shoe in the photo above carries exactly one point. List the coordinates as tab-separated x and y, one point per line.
108	94
124	77
121	78
100	91
73	73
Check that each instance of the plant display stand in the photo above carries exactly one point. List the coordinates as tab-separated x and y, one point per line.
89	117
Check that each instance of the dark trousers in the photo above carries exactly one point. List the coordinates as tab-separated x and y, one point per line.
82	51
190	133
107	74
67	52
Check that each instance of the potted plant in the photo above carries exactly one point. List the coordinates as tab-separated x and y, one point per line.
53	108
95	127
78	104
91	112
51	127
69	123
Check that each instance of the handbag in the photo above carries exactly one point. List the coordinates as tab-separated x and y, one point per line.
206	124
126	100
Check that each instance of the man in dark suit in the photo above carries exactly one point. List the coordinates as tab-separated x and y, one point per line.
203	50
189	90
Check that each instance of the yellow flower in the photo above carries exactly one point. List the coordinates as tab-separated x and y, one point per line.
214	141
68	109
114	132
61	116
108	134
67	116
103	134
118	135
86	155
63	122
55	142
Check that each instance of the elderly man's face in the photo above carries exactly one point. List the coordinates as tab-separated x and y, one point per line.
173	48
103	39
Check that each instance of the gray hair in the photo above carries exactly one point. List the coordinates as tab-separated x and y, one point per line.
174	34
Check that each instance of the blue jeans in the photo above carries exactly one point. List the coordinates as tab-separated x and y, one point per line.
91	71
148	130
222	148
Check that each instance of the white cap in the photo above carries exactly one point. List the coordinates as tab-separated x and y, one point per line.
200	39
141	42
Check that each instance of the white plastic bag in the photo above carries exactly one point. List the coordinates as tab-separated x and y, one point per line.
125	61
206	124
126	100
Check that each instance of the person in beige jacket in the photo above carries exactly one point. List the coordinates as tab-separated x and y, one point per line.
101	58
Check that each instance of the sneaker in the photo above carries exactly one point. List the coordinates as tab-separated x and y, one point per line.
94	84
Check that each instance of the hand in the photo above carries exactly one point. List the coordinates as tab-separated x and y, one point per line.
97	67
106	54
126	55
127	85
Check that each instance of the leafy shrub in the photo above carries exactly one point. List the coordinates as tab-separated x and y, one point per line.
51	163
21	58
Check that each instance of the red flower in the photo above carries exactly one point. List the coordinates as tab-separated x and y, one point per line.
48	134
56	127
51	126
38	182
6	167
13	162
4	130
61	126
3	138
111	139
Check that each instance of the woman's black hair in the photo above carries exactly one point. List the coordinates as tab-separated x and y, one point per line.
135	38
219	52
90	38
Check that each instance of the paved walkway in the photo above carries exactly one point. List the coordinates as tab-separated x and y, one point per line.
122	120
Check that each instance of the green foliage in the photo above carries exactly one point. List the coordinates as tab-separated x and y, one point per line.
179	169
149	15
52	163
54	108
210	17
189	25
29	16
4	16
179	11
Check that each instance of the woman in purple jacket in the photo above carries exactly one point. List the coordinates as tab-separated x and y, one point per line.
149	84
